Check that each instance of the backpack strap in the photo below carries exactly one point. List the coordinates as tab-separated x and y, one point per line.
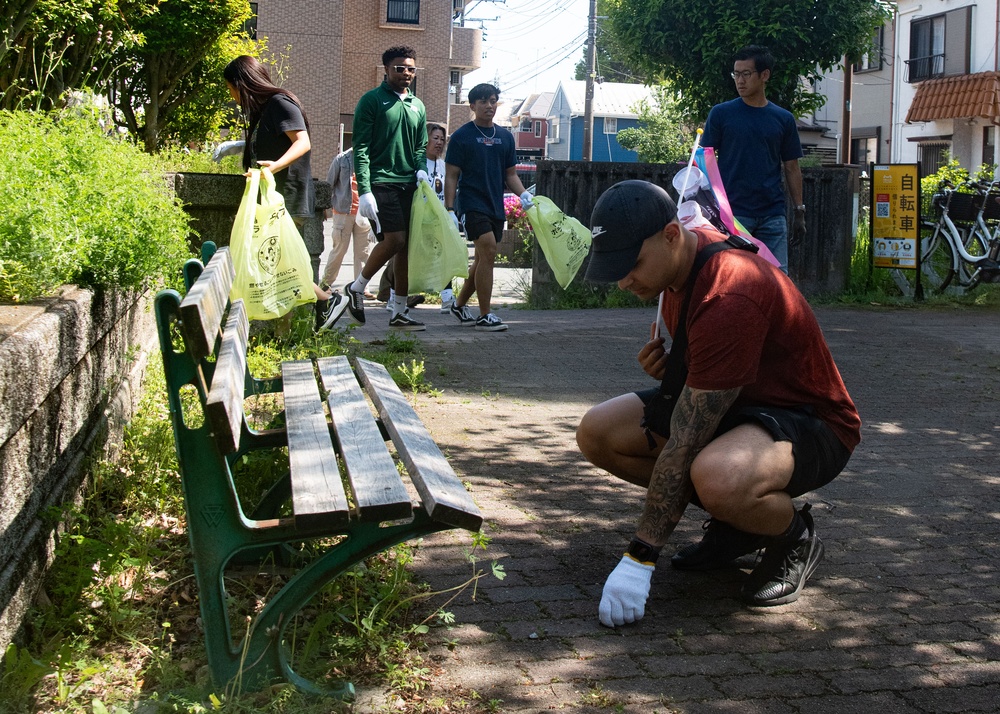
675	374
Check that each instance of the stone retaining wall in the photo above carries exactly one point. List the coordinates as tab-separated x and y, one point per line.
70	370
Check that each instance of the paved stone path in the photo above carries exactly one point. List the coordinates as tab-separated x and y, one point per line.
901	616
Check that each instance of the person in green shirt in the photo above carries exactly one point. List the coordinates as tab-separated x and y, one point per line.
390	144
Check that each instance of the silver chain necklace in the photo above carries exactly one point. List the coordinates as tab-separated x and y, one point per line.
484	133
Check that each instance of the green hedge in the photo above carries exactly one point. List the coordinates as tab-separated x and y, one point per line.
78	206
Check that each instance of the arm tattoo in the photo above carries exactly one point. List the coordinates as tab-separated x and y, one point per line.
696	417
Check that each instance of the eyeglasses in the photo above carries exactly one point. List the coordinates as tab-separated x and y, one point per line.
745	74
400	68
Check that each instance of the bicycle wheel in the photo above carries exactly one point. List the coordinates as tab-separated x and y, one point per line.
938	261
968	271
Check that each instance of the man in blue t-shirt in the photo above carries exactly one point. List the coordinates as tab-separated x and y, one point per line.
480	162
754	140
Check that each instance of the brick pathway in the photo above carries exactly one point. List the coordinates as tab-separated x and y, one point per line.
901	616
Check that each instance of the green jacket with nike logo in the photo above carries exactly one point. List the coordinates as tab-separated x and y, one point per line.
390	138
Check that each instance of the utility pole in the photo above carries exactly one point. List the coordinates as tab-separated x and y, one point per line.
588	107
845	120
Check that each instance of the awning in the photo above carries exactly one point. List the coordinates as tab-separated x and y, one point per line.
966	96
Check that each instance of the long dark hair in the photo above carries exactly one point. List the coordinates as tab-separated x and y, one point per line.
252	81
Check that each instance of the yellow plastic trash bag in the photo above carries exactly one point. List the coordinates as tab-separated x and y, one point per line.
273	270
436	250
564	240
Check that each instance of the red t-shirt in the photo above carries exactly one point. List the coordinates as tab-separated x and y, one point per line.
749	326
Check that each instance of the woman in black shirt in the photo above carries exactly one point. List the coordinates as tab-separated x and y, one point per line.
277	136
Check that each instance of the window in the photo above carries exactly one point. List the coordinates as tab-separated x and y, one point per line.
404	12
872	59
525	125
926	48
610	125
989	145
538	128
932	156
940	45
864	151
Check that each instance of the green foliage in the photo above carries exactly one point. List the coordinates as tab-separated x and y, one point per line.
50	46
957	176
661	136
119	632
79	207
171	86
612	65
692	42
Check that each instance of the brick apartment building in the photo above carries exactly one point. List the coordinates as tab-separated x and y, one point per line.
334	52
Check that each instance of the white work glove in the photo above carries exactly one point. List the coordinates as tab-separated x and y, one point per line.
368	208
454	219
625	593
422	176
526	201
227	148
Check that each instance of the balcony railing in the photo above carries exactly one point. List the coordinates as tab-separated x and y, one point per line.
920	68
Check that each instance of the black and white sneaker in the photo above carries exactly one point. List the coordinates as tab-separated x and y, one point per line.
402	322
490	323
785	567
329	311
718	548
355	303
462	314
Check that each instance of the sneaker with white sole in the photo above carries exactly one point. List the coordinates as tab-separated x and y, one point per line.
329	311
784	568
490	323
355	303
462	313
446	306
402	322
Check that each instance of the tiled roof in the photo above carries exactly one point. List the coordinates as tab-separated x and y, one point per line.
969	95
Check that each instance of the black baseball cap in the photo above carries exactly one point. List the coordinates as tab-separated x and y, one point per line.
625	215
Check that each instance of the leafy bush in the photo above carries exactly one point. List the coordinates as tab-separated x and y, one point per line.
79	207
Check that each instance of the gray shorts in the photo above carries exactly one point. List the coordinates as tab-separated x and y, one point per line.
819	454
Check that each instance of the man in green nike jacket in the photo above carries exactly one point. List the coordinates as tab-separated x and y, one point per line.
390	142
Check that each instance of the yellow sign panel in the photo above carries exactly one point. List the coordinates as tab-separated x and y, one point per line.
895	211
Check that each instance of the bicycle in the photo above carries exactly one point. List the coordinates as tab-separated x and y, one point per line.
968	253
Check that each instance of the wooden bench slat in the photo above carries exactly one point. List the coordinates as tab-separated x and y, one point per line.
378	488
224	407
318	498
205	304
443	494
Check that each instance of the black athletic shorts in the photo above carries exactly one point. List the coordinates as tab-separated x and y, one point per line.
479	224
819	454
394	203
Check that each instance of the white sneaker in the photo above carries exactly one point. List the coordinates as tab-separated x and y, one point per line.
490	323
446	306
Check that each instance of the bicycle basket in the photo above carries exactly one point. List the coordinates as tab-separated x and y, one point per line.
963	207
992	211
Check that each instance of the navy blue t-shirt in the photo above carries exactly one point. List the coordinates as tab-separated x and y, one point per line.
483	155
751	143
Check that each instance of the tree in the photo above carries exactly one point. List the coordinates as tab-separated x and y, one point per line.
611	65
692	42
187	43
661	136
50	46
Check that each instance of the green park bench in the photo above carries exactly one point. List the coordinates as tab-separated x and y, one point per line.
374	512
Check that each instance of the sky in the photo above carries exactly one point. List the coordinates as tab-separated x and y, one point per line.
530	44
